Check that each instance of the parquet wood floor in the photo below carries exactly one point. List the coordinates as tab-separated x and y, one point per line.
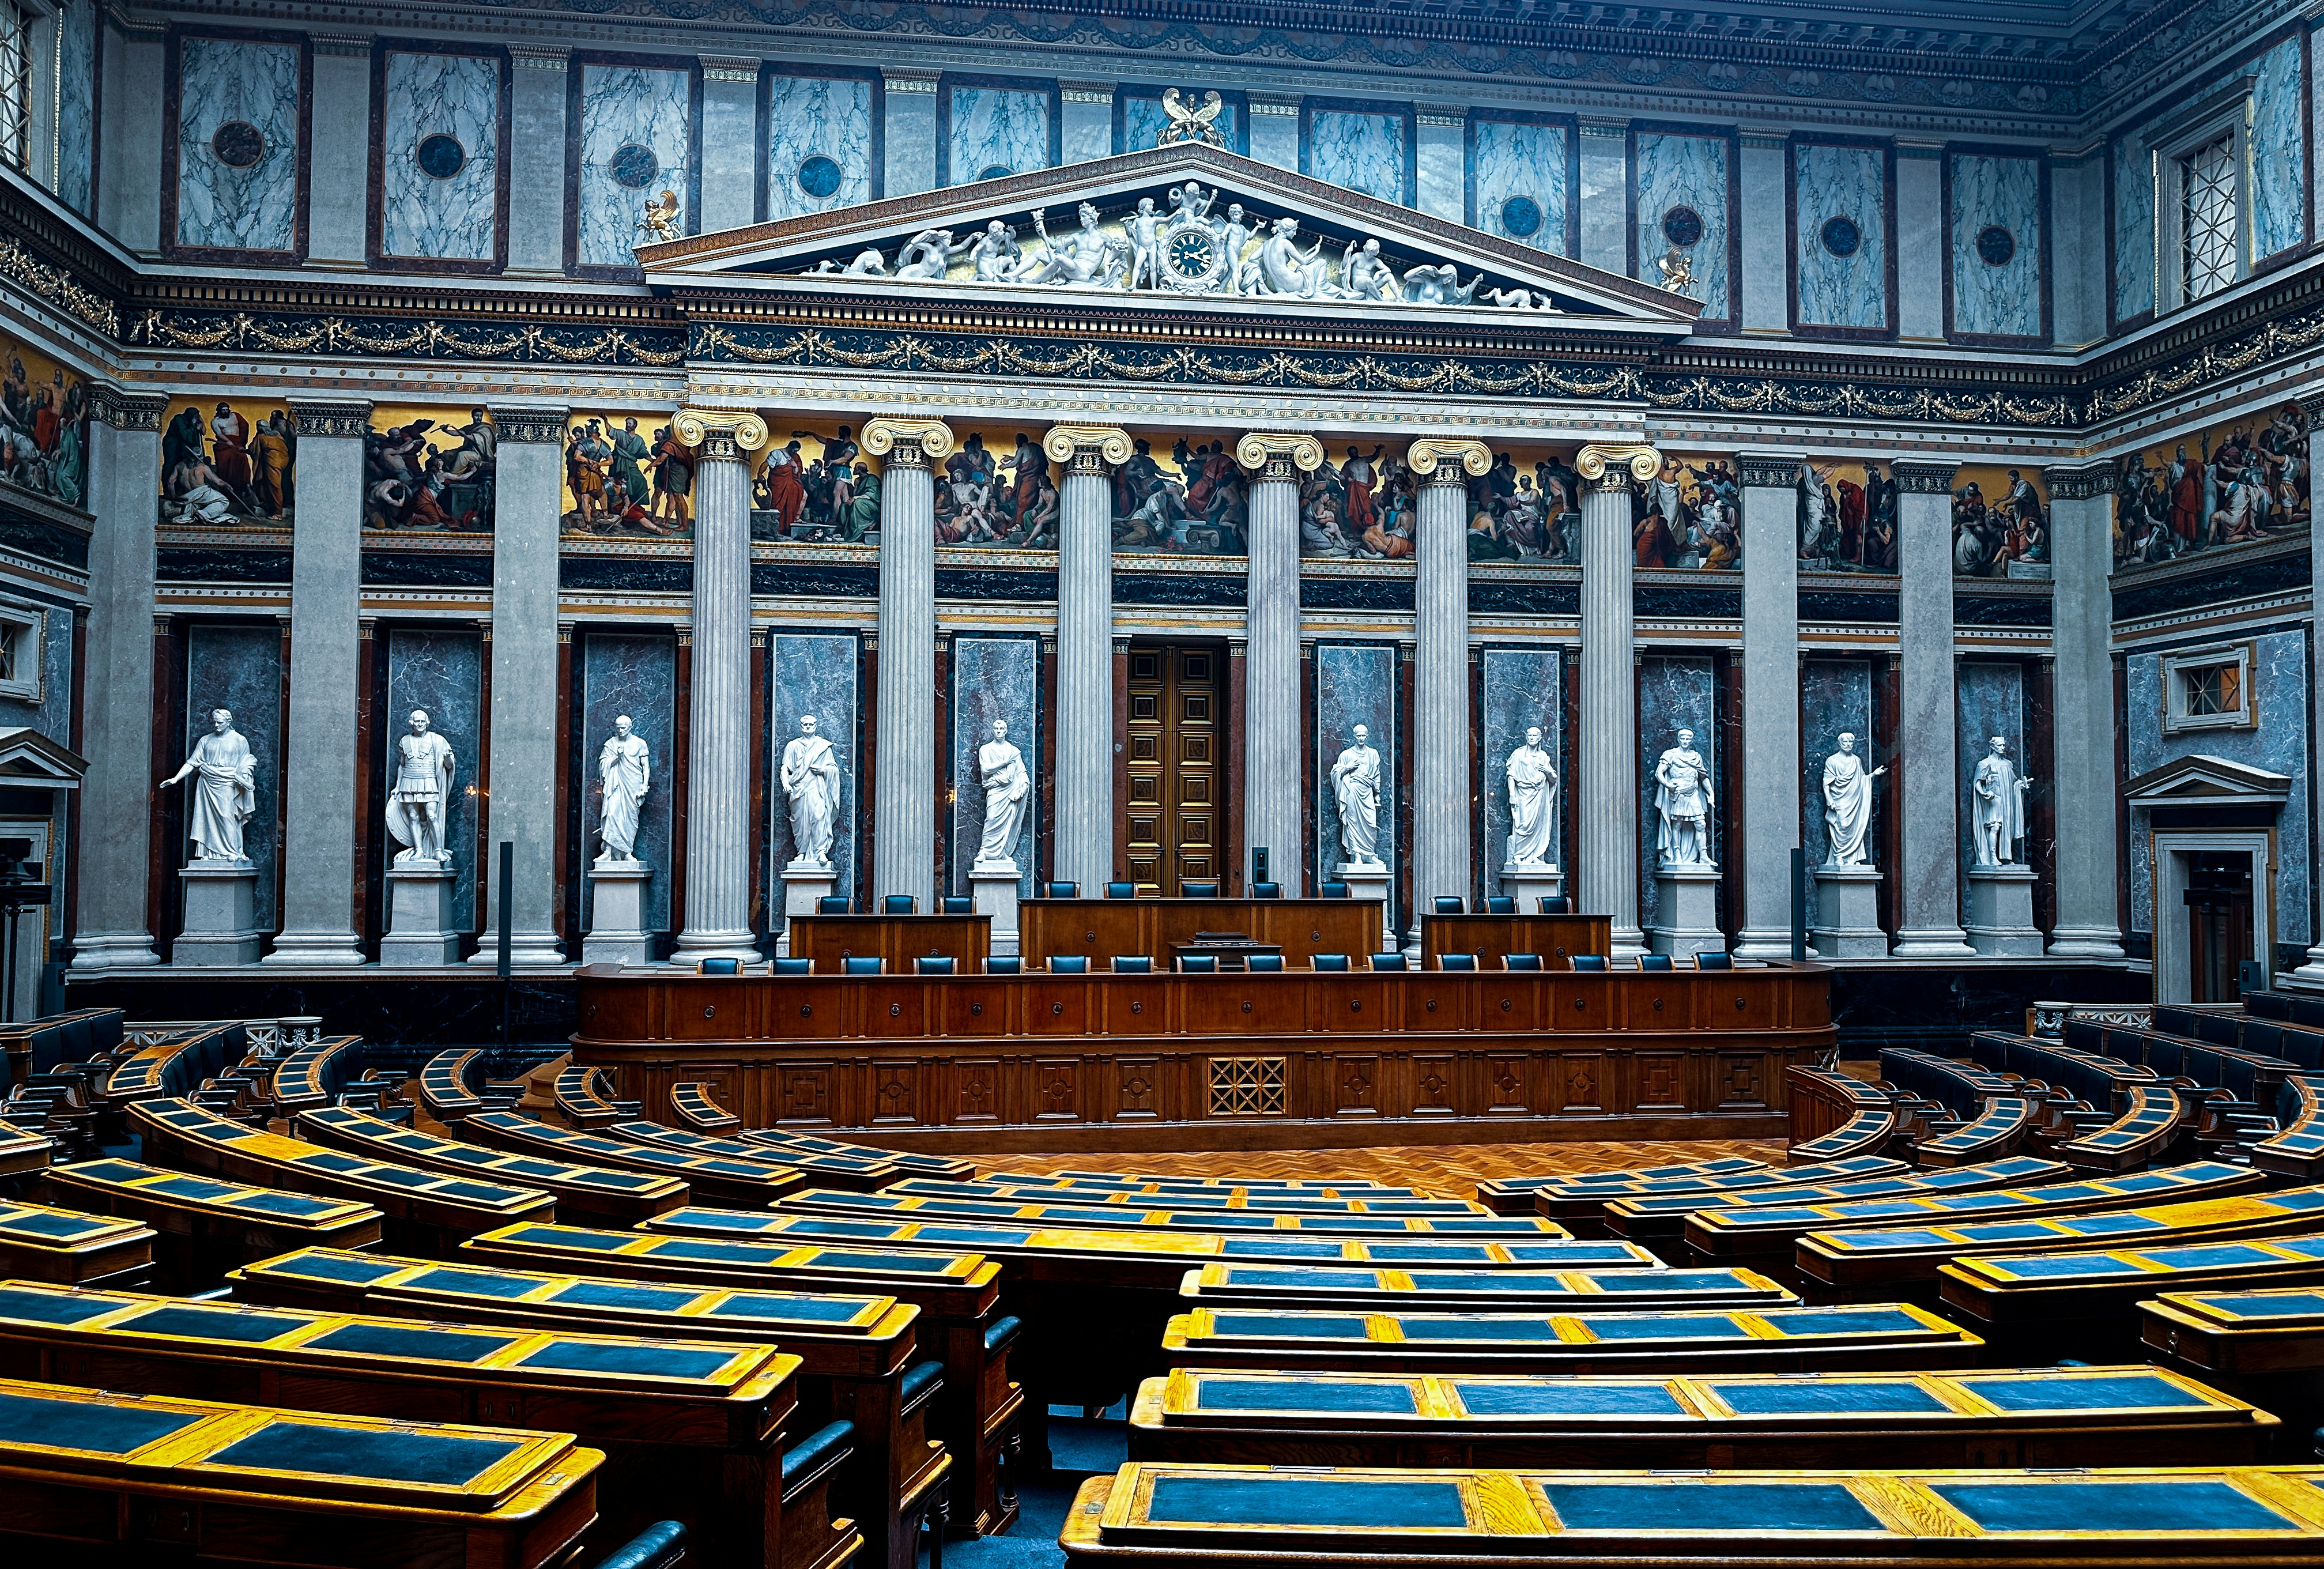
1452	1170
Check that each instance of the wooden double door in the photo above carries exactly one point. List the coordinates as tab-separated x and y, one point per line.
1174	819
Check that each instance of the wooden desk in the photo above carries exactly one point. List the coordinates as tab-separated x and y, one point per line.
1102	928
203	1227
1556	938
831	940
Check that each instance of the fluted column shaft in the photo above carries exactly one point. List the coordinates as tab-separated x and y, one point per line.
904	794
1609	763
1927	921
1084	785
1768	772
2082	629
1271	795
1442	804
718	752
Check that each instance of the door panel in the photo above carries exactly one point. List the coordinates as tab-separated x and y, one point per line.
1172	827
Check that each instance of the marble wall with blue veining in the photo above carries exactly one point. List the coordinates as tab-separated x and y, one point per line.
1355	684
1510	160
240	668
1524	688
77	42
994	677
996	130
1361	150
52	714
625	107
814	674
636	674
2279	151
1679	692
1678	171
2132	169
442	671
1996	246
1835	696
811	118
1142	120
422	213
241	82
1841	263
1991	701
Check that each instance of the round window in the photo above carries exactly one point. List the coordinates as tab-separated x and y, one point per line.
1996	244
239	143
819	177
1841	238
440	156
995	172
1520	216
634	166
1682	226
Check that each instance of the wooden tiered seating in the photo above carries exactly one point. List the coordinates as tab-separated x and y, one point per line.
1327	1187
1834	1116
204	1227
1088	1189
785	1138
840	1171
1997	1130
23	1150
1053	1211
1480	1290
444	1086
176	1064
317	1074
598	1194
2151	1120
709	1178
1570	1199
583	1097
1393	1204
694	1106
41	1243
2265	1346
1660	1215
2297	1150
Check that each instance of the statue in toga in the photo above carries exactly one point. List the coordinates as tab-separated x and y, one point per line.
224	795
624	768
1847	805
1007	790
1999	805
811	781
1533	799
1356	787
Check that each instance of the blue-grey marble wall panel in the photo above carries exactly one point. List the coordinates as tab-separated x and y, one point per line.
1676	692
442	671
997	131
1675	170
818	144
1991	700
238	190
76	166
1355	684
241	667
637	141
2134	228
1996	245
994	677
1361	150
1142	120
440	156
1518	174
52	714
1524	688
1840	267
1835	696
2279	151
634	674
814	674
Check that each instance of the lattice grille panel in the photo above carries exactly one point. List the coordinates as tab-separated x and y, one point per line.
1247	1086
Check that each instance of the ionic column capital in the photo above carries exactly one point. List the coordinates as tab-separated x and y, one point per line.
907	443
721	434
1086	449
1276	456
1606	466
1430	455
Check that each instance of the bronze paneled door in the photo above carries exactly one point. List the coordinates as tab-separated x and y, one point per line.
1173	823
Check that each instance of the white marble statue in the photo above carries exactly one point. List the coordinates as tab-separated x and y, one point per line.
624	768
1007	788
811	781
1532	801
1683	801
1356	786
422	793
224	795
1999	804
1847	805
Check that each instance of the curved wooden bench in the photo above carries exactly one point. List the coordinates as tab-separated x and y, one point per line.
1481	1290
444	1086
2263	1345
826	1170
2150	1120
692	1104
918	1198
2297	1150
595	1194
1583	1200
175	1065
707	1178
584	1098
1665	1216
1050	1207
314	1073
1996	1131
41	1243
1868	1132
204	1226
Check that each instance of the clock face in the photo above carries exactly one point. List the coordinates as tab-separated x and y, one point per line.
1193	254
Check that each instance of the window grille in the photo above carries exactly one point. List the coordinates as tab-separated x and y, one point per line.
2207	217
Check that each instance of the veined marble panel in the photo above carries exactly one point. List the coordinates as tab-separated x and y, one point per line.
1676	692
997	131
2134	228
1679	171
1991	700
994	677
1142	120
1836	696
1355	684
1359	150
77	35
1523	687
442	671
637	141
2278	151
1996	245
634	674
814	674
1840	268
52	714
1512	162
818	144
434	103
250	204
241	667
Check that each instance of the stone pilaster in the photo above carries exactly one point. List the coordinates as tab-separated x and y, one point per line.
1609	761
904	795
718	825
528	502
730	137
910	143
536	219
1271	795
118	697
1442	807
2081	623
339	215
1766	773
320	765
1087	126
1085	720
1927	766
2311	973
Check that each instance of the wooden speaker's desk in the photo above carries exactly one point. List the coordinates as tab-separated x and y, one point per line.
1556	938
831	940
1102	928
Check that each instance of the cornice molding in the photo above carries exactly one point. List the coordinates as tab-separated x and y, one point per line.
334	418
126	410
1925	476
2080	482
528	423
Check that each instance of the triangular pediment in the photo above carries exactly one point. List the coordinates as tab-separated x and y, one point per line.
1135	212
2203	780
31	760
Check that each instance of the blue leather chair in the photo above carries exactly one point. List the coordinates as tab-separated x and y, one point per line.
1591	964
1500	904
1714	961
1456	961
719	967
1266	891
787	966
1332	890
1069	965
1004	964
1390	962
1061	890
934	965
1132	963
1328	964
1193	964
871	965
1451	904
834	904
1521	961
959	904
1655	964
899	904
1121	890
1555	904
1266	964
1198	891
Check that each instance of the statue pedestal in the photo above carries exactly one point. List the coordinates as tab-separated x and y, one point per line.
1372	881
617	914
2000	922
1529	885
804	883
1847	914
221	914
420	916
1686	911
995	886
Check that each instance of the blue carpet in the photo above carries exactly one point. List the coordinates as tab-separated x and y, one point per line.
1082	1449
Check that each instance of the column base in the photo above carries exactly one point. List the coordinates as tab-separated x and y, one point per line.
1847	908
2000	922
2097	942
802	887
419	916
318	950
527	950
221	915
114	951
1529	885
1932	942
1628	942
617	931
1751	943
2309	976
995	886
1374	882
1686	912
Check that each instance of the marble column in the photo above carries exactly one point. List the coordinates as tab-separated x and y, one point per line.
1443	803
116	802
910	144
320	765
2311	973
1766	774
536	208
718	819
904	795
1085	786
1927	769
1608	761
1272	813
529	496
2082	617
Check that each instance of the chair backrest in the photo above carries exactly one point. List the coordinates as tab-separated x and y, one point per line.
1389	961
959	904
899	904
834	904
1328	964
1714	961
1591	964
1555	904
1500	904
1266	891
1061	890
934	965
789	966
1654	962
1196	965
1452	904
1004	964
1456	961
1266	964
1132	963
719	967
1069	965
1332	890
1198	891
1521	961
871	964
1121	890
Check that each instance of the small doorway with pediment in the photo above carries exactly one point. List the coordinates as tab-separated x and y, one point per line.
2212	828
